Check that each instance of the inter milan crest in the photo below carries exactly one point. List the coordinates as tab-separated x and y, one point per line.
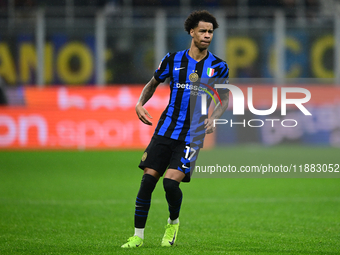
144	156
193	77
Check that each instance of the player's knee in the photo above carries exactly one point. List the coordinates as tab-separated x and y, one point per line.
149	182
170	185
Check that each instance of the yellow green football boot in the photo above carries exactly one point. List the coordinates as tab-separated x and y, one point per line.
169	238
133	242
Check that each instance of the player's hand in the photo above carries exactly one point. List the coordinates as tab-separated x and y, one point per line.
209	126
143	114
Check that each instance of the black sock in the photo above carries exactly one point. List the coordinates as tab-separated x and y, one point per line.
143	200
174	196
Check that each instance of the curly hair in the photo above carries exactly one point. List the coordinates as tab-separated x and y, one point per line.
196	16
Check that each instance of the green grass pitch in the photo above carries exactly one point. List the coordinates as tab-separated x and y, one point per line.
54	202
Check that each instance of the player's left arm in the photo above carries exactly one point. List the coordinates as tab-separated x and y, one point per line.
217	113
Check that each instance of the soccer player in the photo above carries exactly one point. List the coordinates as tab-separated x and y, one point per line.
181	128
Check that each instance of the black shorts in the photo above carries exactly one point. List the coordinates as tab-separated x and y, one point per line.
163	153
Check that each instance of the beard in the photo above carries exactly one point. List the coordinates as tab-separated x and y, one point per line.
200	46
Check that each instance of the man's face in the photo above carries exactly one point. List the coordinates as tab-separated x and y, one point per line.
202	35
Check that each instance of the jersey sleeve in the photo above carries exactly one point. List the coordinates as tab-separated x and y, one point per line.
163	72
224	77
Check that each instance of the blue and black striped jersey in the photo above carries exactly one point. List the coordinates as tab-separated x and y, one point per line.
182	119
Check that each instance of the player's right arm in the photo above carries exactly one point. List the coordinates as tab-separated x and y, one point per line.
146	94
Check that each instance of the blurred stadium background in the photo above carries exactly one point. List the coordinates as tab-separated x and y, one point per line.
55	55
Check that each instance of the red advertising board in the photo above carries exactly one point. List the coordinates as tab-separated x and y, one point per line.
105	118
79	118
52	128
